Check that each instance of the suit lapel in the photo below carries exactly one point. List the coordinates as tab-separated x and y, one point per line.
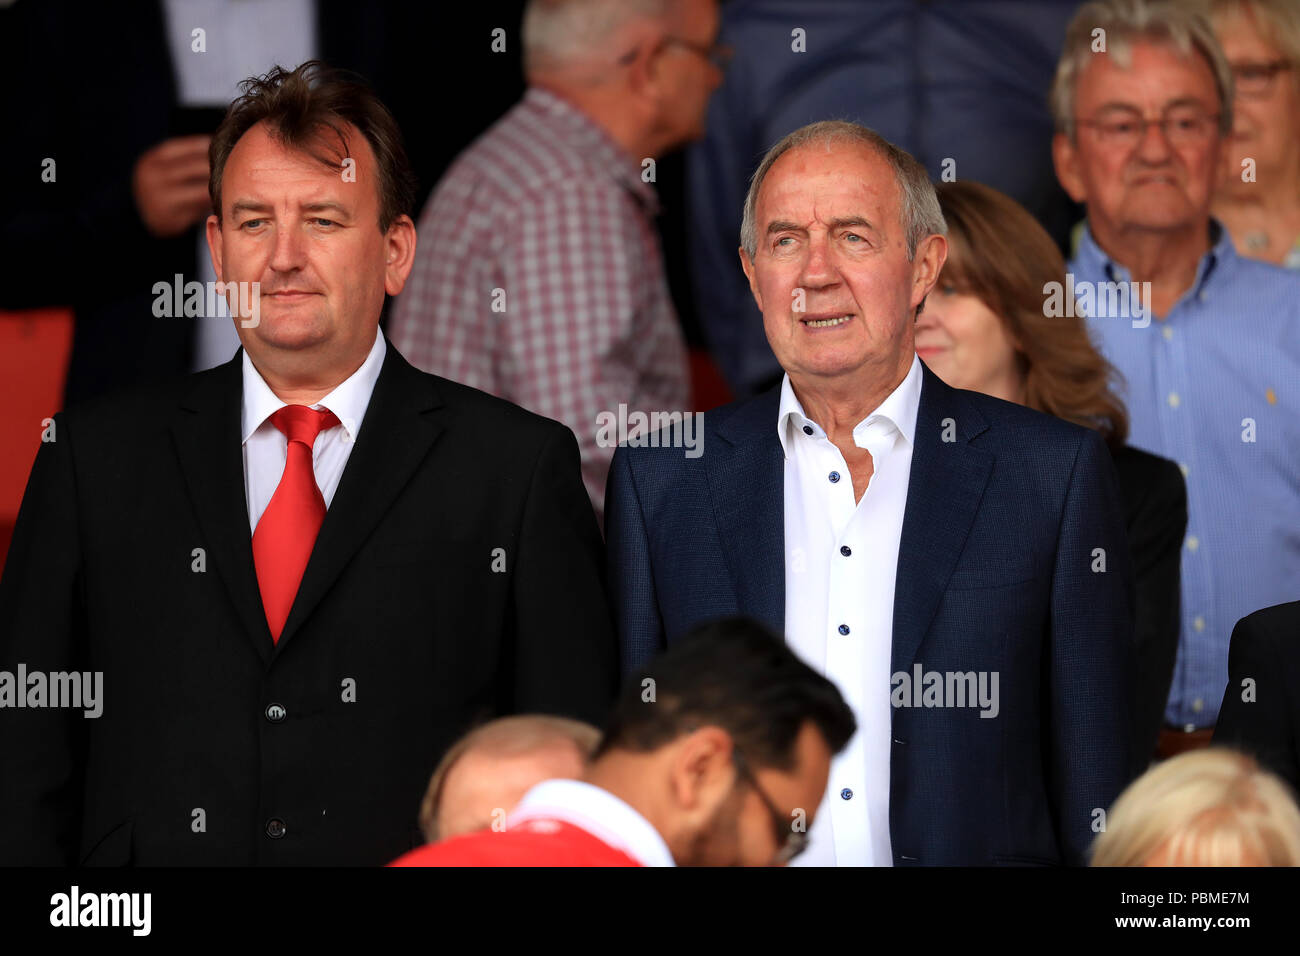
747	483
209	446
943	496
400	426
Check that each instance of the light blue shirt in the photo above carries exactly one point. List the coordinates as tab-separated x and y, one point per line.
1216	388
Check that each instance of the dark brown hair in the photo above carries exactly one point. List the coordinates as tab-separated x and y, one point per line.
302	108
999	253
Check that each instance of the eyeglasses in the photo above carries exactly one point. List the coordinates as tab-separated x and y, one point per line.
790	842
717	54
720	56
1255	80
1181	126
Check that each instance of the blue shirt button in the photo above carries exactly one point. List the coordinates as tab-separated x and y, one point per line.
834	476
807	430
845	550
844	629
846	794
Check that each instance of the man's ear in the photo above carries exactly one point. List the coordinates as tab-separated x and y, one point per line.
927	263
703	773
214	246
747	265
1065	157
399	252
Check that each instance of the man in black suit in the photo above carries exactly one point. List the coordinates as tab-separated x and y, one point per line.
290	632
1261	704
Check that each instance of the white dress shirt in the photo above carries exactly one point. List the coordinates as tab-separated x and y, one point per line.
597	811
840	565
266	448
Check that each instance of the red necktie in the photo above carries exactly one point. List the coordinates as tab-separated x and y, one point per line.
288	527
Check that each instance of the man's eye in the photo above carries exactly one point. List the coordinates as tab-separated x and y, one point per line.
1122	126
853	235
251	223
784	239
325	222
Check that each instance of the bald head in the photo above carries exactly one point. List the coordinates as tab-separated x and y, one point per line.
485	773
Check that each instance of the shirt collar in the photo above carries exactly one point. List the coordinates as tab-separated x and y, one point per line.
898	409
1092	260
600	813
348	401
590	141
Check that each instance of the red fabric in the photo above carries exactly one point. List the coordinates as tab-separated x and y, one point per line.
288	527
708	387
34	349
539	842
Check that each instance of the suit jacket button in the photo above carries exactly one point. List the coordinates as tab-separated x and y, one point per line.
276	713
275	828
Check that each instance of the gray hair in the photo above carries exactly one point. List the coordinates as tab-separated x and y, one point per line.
1181	25
559	32
920	213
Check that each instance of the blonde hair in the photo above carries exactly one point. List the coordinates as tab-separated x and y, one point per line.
1277	21
504	737
1180	24
1212	807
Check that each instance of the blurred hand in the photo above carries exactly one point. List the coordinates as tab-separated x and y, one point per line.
170	183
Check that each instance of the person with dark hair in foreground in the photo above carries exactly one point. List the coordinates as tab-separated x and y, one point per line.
716	754
301	575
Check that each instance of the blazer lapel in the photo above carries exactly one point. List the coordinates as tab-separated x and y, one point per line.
400	426
747	483
206	432
943	496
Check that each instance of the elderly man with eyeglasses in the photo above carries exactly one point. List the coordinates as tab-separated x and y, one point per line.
1143	101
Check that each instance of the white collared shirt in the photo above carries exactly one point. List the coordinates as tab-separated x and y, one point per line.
266	448
600	813
841	562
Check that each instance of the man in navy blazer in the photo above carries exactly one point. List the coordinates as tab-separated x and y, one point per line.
955	563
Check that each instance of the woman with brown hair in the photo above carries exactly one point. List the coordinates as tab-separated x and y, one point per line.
987	327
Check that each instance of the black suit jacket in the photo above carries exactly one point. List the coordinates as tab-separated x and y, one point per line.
1266	649
457	575
1155	517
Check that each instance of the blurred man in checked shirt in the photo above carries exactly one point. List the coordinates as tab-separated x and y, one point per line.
538	275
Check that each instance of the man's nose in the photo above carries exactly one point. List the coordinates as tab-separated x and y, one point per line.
1155	143
818	270
289	251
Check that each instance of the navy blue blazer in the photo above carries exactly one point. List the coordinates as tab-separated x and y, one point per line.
998	570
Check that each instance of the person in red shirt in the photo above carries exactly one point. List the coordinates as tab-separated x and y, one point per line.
718	754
